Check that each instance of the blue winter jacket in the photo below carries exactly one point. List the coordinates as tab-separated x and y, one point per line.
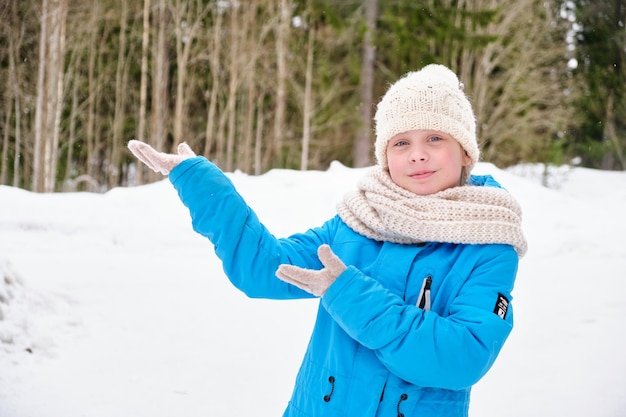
376	350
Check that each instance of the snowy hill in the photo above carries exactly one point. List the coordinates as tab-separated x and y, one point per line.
111	306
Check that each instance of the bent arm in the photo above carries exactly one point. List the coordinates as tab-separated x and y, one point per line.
424	348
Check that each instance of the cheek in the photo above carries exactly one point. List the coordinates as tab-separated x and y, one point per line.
394	166
392	161
459	158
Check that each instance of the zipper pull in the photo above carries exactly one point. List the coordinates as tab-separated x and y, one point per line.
423	301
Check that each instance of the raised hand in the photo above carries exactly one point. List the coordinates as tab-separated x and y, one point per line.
159	161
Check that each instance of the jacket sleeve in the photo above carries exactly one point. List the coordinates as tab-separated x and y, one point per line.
250	254
424	348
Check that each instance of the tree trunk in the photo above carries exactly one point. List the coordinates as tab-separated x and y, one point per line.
188	21
69	161
610	133
159	83
182	53
362	144
249	89
258	142
232	86
55	87
49	94
92	92
5	140
121	87
143	88
13	104
282	49
214	64
40	116
308	102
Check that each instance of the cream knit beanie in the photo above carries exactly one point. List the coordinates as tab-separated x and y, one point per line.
431	98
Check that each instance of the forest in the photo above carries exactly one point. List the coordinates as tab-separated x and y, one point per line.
260	84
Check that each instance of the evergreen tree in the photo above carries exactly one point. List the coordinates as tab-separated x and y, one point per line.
599	136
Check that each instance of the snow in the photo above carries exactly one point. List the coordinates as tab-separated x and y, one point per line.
110	305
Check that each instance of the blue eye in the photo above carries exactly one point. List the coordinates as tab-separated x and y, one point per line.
401	143
435	138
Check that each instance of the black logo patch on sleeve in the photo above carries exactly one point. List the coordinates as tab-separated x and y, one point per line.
502	305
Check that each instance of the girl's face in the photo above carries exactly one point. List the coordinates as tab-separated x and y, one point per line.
426	161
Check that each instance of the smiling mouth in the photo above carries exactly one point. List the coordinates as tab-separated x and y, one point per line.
421	174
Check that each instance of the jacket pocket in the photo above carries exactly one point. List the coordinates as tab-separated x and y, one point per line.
320	391
406	400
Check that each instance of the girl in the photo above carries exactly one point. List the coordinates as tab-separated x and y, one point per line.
414	273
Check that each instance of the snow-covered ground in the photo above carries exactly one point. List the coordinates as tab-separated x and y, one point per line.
110	305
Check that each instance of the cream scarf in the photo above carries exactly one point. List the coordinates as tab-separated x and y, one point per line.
384	211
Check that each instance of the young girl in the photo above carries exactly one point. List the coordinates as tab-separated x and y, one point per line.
414	273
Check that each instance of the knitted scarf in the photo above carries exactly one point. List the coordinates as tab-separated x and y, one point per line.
384	211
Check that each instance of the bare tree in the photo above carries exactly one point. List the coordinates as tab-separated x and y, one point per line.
40	134
249	43
233	83
121	92
282	47
159	80
260	116
362	143
49	94
15	30
308	101
187	21
143	88
56	92
73	75
5	142
92	91
211	95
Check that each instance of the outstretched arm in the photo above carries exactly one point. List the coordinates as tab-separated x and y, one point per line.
250	254
452	350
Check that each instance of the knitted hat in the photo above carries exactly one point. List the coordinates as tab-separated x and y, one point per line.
430	99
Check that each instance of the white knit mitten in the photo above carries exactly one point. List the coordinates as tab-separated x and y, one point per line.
159	161
315	282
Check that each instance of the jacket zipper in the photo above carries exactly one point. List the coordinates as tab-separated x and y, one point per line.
423	301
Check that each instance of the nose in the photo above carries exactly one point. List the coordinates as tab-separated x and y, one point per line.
418	154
